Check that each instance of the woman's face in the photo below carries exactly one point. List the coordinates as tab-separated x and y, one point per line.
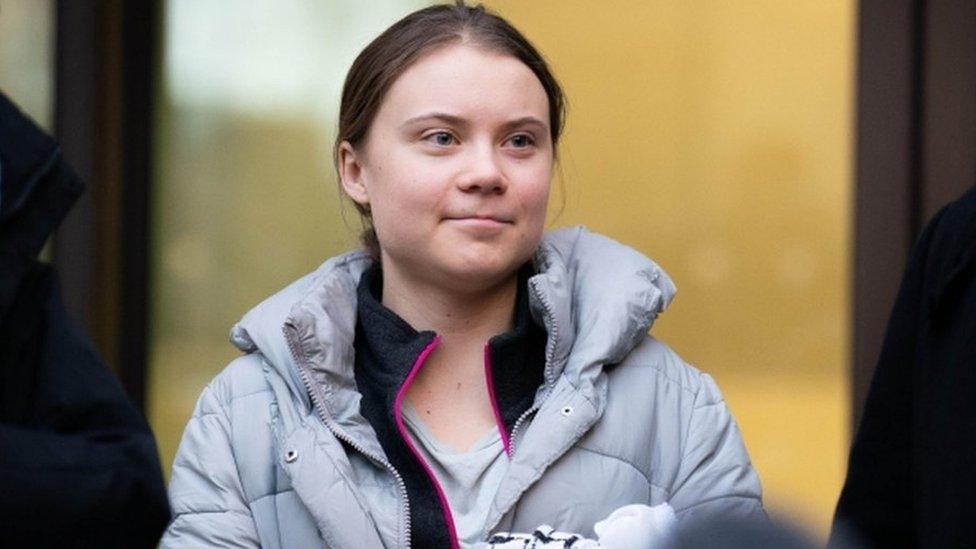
456	168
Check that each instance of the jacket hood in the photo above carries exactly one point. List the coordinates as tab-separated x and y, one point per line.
596	298
37	188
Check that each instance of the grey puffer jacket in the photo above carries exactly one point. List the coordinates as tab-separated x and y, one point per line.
277	454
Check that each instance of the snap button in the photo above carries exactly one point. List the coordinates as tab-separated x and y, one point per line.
290	456
567	411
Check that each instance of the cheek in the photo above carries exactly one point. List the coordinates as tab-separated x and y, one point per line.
404	200
534	195
399	184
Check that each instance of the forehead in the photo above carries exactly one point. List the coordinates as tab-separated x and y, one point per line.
469	82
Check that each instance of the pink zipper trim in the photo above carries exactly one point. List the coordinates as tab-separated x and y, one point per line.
506	443
398	417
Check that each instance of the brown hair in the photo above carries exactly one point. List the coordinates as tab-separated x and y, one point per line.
391	53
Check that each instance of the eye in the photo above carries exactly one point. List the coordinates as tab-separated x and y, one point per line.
521	141
442	139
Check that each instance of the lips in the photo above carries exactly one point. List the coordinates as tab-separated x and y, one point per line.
497	218
480	226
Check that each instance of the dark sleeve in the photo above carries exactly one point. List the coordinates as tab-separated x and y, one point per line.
82	469
876	501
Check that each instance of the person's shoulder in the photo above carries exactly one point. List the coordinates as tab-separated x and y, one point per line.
243	377
956	222
653	401
654	368
948	242
965	206
652	362
954	225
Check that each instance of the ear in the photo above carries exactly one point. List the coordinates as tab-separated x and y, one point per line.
350	165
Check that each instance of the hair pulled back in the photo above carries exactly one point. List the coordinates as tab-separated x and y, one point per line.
406	41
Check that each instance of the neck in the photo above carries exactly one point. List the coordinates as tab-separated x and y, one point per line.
452	390
461	318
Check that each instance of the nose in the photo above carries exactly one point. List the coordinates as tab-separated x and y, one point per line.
483	174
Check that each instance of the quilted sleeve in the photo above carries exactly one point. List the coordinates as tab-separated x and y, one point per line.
715	477
209	507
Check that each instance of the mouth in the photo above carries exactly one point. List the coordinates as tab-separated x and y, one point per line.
481	218
479	223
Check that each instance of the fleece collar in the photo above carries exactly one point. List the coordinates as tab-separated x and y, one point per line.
387	347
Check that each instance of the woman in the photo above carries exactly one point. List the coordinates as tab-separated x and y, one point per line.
465	374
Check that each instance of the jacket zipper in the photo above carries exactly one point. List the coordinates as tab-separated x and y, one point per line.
549	383
550	353
320	411
551	343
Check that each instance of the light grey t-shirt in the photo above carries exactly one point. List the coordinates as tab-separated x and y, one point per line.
469	479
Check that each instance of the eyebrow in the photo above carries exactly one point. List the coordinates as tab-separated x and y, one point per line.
458	121
524	121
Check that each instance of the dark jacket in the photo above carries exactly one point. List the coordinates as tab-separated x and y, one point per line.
912	471
78	464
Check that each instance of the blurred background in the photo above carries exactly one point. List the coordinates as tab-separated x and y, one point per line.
776	158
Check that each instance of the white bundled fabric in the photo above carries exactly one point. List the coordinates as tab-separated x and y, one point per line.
629	527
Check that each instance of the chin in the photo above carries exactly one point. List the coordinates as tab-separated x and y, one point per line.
463	265
477	271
